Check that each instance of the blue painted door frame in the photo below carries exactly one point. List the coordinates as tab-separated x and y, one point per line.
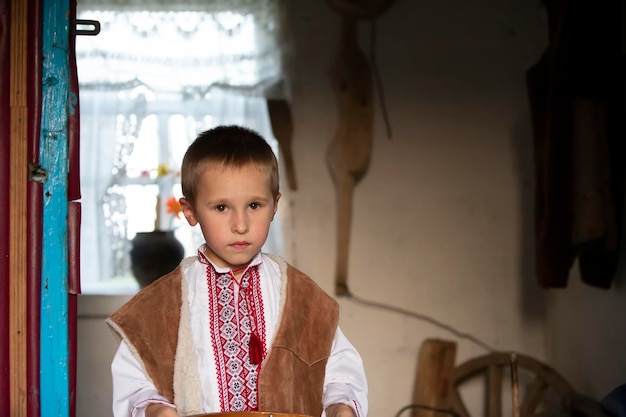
53	158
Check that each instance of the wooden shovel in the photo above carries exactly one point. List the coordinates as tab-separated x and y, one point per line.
348	155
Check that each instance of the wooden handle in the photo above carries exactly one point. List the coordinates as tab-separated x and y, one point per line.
282	127
514	385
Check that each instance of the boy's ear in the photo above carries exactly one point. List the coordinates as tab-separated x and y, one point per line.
276	205
188	212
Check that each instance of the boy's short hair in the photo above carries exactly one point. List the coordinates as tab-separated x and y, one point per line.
226	146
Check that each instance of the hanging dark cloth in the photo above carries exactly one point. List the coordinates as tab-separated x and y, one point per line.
576	93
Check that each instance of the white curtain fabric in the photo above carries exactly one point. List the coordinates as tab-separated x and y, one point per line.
157	75
172	51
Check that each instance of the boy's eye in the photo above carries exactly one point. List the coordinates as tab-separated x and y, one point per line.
254	206
220	208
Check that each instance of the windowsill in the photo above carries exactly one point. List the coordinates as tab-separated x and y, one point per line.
126	285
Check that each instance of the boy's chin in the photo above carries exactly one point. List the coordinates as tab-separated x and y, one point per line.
239	260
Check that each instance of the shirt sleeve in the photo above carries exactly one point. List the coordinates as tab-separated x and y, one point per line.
345	381
132	390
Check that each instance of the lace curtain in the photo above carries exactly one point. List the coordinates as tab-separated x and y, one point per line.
156	75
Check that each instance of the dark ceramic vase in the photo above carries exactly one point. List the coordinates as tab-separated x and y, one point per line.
154	254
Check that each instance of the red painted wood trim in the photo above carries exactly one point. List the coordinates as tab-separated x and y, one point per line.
73	181
73	233
74	213
35	207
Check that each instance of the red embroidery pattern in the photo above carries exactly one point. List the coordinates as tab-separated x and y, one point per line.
235	311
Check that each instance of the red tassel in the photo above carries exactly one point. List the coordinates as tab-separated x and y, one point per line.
256	350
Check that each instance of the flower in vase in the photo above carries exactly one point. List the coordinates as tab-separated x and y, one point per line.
172	206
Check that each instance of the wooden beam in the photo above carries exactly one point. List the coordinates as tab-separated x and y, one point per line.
18	209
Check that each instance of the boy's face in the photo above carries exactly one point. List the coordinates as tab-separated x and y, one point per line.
234	207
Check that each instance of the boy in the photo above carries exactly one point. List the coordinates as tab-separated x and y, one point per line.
233	329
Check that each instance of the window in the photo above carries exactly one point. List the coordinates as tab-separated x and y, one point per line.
149	83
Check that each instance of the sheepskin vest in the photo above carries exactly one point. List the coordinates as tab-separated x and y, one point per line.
292	374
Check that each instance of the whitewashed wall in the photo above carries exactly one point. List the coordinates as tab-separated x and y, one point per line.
442	223
442	220
586	334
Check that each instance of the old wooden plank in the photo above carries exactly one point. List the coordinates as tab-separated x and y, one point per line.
17	212
433	381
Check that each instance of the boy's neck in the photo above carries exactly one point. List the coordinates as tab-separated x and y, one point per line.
238	272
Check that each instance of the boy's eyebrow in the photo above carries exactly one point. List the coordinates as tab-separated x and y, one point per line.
220	200
261	198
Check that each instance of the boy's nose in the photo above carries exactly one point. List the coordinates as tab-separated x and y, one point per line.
240	223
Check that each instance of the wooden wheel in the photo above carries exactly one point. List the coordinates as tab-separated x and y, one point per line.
538	384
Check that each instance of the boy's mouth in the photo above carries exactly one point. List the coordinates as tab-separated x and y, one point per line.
240	245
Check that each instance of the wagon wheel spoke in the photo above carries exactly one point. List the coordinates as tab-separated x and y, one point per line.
457	404
494	391
533	397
